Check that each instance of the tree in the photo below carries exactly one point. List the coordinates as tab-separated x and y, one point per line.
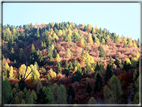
71	91
82	41
75	63
43	71
103	41
42	47
62	97
125	45
40	59
55	53
49	96
54	90
136	98
111	63
23	102
92	100
7	91
59	69
26	94
109	73
21	54
58	58
89	28
98	82
60	33
69	53
117	62
33	49
20	95
102	52
41	97
70	66
90	40
39	85
88	88
12	54
118	39
11	74
66	71
50	52
113	93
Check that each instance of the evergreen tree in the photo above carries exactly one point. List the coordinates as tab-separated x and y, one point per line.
111	63
39	86
109	73
136	98
66	71
98	82
12	54
102	52
88	88
55	53
7	92
68	53
41	97
71	91
62	97
40	59
114	93
70	66
75	63
59	69
92	100
117	62
125	45
32	49
50	52
42	47
21	54
49	96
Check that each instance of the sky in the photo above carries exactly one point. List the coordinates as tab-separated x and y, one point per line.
120	18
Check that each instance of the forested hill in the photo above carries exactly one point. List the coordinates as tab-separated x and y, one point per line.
85	62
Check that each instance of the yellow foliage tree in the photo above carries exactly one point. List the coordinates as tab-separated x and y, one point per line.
58	58
118	39
97	42
103	41
69	53
89	28
55	36
125	39
104	31
82	41
108	38
11	74
138	54
106	46
52	46
52	73
96	27
128	61
52	24
134	45
22	70
90	40
60	33
43	24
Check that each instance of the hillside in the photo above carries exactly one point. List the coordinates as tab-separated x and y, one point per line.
81	62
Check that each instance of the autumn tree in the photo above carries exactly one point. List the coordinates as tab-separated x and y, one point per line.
11	74
90	40
89	28
58	58
75	63
103	41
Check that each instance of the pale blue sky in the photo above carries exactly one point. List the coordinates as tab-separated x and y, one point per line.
122	18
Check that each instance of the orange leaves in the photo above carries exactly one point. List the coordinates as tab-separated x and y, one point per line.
29	81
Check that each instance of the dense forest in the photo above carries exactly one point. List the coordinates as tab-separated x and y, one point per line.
66	63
